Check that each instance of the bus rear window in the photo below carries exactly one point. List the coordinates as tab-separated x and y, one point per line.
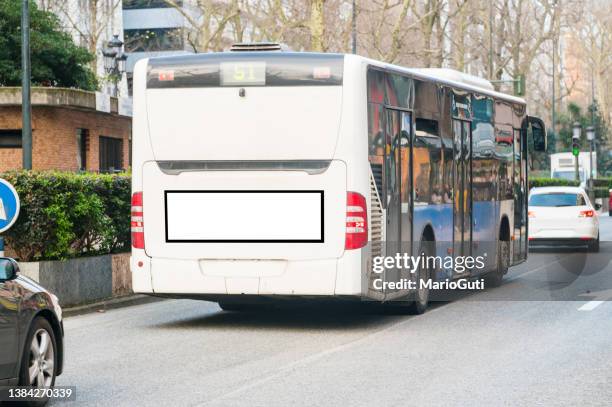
556	200
233	69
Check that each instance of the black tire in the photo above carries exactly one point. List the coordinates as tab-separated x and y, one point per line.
38	326
594	245
233	306
609	212
419	304
495	277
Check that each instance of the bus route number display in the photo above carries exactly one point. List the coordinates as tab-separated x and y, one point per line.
243	73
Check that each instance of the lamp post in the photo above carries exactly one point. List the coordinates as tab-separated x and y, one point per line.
576	130
590	132
26	107
114	61
354	28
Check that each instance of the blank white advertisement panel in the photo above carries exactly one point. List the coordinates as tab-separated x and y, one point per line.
244	216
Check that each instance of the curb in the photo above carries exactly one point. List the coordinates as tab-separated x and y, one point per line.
111	303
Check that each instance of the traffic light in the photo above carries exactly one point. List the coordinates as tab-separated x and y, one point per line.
576	130
575	146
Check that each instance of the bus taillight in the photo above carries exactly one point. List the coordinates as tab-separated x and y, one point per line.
137	223
356	221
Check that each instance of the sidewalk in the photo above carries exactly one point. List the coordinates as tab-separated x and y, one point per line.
111	303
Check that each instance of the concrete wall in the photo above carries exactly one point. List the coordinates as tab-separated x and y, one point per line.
83	280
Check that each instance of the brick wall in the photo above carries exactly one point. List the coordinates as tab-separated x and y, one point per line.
54	136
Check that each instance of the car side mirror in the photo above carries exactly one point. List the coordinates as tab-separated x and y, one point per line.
8	269
597	206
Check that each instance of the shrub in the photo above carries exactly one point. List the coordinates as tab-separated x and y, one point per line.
67	215
601	192
551	182
603	183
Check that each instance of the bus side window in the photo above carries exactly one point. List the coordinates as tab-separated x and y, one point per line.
376	144
427	162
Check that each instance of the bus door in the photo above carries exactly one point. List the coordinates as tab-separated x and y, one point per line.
397	184
462	212
520	200
392	181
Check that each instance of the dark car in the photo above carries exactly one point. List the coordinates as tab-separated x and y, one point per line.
31	330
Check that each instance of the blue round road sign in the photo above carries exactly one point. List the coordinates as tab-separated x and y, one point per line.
9	205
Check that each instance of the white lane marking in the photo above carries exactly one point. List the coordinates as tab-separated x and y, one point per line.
590	306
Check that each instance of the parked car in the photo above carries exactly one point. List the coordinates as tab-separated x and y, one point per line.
563	215
31	331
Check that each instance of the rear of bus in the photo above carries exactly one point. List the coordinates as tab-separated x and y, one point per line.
250	175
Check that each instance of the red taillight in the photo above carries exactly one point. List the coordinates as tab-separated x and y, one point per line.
531	214
137	223
589	213
356	221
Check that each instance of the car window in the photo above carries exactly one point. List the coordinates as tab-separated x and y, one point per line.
557	199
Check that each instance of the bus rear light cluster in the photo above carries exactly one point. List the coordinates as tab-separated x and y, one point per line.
356	221
137	222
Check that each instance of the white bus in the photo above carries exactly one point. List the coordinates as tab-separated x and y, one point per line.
264	174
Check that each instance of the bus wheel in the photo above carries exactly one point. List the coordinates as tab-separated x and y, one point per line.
233	306
421	296
495	277
417	303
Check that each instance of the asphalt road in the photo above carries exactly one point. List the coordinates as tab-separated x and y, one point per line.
543	338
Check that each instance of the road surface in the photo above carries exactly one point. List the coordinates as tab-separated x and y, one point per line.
543	338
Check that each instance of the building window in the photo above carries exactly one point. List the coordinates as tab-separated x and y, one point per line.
10	138
140	4
153	39
111	154
82	139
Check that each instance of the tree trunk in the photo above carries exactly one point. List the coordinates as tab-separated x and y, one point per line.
317	26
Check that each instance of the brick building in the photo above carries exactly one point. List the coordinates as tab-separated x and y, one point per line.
72	130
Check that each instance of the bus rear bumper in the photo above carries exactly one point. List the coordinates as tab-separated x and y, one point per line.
322	277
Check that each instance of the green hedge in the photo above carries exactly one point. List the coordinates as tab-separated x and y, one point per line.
603	183
551	182
66	215
602	192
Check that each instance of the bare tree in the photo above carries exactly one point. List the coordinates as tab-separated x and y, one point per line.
595	50
89	19
207	21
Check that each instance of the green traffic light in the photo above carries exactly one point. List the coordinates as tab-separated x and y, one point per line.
575	151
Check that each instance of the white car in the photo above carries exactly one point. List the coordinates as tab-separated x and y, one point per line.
563	215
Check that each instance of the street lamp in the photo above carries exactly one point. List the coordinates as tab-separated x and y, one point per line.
576	133
590	132
121	59
114	60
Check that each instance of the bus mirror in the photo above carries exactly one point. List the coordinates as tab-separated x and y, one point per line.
538	130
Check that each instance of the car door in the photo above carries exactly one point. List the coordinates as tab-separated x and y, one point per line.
9	332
